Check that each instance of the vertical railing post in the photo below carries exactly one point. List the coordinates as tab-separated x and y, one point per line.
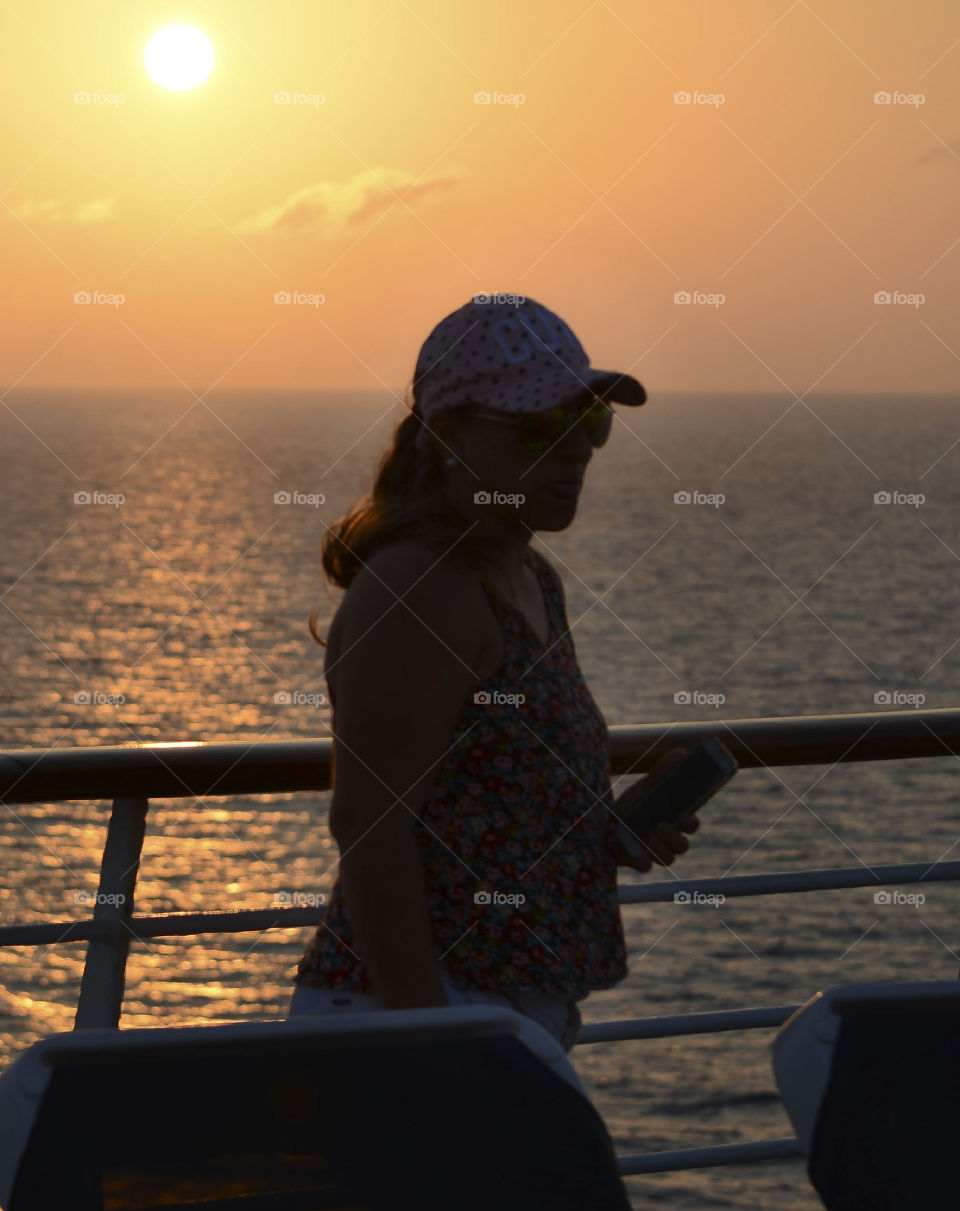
104	973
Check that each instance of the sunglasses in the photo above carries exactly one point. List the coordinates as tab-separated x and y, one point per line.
538	431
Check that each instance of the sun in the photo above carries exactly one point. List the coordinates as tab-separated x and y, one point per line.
179	57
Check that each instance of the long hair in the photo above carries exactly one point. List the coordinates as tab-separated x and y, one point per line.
406	502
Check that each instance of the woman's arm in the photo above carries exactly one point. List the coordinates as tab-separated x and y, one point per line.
404	673
386	904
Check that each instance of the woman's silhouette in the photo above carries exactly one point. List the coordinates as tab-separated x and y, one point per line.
471	797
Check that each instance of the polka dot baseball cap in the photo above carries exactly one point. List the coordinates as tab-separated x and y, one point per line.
514	356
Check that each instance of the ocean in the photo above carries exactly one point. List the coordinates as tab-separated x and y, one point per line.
755	555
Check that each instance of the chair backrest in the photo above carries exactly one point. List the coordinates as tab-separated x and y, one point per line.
449	1109
876	1107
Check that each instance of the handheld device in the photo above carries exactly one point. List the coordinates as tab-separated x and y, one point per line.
690	783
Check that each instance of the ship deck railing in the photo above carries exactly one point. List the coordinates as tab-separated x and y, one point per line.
129	776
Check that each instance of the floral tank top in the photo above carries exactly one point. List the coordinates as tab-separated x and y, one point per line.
516	836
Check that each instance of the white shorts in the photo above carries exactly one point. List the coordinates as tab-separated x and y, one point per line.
554	1018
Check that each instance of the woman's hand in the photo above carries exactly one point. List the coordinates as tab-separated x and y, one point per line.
663	842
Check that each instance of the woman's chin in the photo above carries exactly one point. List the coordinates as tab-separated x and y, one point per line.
553	515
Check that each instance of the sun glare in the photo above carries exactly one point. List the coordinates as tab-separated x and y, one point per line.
179	57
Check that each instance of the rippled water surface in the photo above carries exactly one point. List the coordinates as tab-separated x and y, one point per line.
795	595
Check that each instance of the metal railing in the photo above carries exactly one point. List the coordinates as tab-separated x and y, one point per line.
132	775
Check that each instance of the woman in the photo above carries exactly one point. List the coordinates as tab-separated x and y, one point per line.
471	789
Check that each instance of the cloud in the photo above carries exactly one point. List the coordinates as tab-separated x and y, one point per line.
329	206
325	208
55	210
95	212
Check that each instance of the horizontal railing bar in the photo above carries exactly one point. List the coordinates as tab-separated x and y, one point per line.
164	771
788	1148
182	770
670	1025
788	881
166	925
247	920
796	739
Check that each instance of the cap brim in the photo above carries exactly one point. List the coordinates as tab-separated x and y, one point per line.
621	388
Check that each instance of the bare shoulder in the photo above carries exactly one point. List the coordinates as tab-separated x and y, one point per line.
405	591
411	570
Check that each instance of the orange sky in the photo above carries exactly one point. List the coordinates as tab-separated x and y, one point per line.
597	194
